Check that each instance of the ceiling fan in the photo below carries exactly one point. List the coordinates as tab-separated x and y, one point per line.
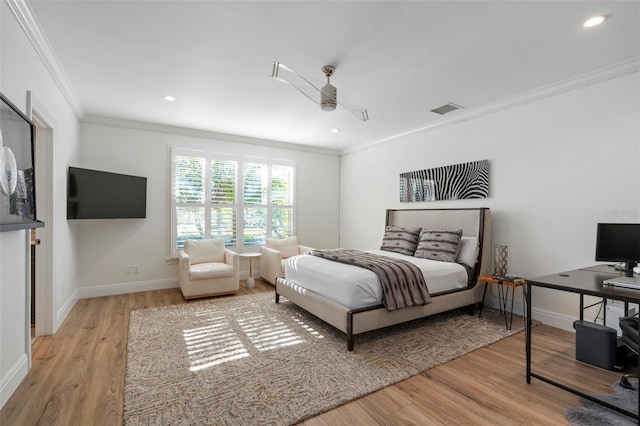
324	95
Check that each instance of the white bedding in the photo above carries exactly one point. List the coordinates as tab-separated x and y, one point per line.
356	287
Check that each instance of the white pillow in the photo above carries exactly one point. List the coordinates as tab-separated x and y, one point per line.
203	251
287	246
469	251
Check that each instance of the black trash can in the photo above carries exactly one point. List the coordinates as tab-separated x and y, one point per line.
595	344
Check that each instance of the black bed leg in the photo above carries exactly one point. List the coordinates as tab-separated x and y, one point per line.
350	337
275	285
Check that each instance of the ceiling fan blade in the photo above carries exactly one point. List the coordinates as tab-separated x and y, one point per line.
359	112
285	74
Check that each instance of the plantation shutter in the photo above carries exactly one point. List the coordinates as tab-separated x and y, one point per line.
189	196
217	196
223	200
282	201
255	186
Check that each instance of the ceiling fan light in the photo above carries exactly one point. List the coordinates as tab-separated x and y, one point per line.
328	97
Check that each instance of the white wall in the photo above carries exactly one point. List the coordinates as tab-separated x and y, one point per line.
557	167
22	70
14	344
107	246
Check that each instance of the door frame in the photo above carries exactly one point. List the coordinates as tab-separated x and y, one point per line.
44	286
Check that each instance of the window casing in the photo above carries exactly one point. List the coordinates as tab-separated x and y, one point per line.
243	200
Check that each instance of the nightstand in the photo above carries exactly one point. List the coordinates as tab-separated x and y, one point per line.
504	284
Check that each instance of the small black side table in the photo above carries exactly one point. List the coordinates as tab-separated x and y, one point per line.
503	295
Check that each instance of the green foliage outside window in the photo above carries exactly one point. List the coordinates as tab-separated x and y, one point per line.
189	179
267	200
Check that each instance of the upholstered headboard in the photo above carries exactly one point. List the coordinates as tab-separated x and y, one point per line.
474	222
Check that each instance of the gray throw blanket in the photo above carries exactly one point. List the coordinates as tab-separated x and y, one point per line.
402	282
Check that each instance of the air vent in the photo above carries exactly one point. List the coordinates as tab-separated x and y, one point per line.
446	108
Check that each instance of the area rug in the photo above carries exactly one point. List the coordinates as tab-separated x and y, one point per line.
593	414
247	360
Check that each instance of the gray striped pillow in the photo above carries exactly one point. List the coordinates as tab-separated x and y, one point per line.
400	240
442	245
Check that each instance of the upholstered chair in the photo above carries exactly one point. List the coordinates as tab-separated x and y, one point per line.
207	268
274	253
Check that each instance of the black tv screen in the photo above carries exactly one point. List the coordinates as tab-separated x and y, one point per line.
618	242
94	194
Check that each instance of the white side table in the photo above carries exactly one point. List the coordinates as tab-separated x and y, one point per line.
250	281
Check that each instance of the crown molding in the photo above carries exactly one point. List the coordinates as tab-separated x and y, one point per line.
612	72
203	134
27	21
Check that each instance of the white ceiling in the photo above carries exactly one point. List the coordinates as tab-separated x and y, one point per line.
398	59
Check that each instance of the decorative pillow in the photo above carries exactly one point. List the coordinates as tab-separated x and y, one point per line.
400	240
287	246
203	251
442	245
469	251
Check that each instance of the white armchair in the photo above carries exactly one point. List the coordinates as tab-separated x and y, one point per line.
207	268
274	254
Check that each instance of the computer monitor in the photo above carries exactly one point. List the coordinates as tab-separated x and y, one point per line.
618	242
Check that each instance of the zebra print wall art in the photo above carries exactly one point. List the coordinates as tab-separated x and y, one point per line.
455	182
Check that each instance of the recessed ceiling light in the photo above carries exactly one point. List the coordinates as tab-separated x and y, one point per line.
335	130
596	20
169	98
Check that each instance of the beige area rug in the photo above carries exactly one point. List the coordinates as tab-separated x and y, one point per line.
247	360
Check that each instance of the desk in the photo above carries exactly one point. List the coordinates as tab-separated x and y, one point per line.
250	281
587	281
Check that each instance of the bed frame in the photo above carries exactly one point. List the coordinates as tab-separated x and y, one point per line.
474	222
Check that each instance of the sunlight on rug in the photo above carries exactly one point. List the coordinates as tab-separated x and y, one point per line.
219	342
246	359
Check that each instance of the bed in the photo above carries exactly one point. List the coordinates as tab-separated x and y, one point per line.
354	317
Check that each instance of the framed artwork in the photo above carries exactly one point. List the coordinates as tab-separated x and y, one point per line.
455	182
17	175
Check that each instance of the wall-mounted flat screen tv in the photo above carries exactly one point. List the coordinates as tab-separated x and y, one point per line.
95	194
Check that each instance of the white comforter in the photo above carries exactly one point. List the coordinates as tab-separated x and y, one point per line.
356	287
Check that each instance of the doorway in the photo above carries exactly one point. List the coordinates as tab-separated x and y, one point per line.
42	294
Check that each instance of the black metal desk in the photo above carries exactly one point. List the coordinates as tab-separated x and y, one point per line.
587	281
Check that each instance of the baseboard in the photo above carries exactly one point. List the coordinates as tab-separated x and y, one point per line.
10	382
134	287
553	319
124	288
65	310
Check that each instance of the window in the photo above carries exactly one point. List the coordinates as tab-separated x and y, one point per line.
241	200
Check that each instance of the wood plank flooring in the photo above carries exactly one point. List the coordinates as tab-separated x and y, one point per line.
77	377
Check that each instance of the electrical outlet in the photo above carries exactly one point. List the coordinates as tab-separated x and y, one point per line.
136	269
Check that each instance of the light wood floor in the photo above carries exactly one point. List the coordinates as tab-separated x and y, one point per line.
78	374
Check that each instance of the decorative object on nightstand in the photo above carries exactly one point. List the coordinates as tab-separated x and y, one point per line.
504	282
501	260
